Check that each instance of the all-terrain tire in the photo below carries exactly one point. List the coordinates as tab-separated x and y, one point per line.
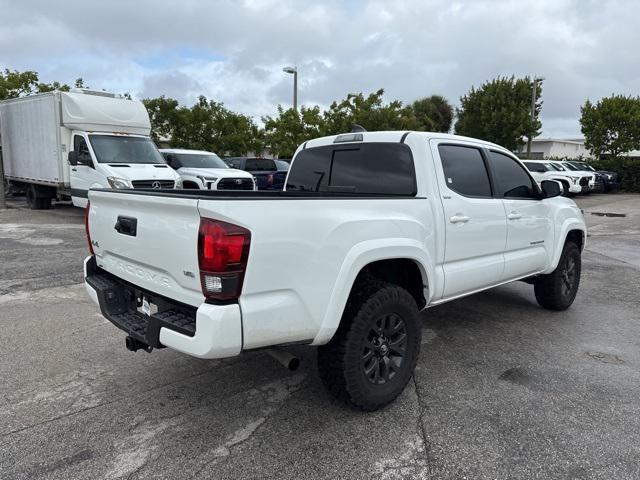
371	330
557	290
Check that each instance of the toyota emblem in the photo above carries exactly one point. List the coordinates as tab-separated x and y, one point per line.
156	185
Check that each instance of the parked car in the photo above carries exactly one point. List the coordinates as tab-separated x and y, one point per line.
372	228
61	144
587	180
544	170
595	182
204	170
609	179
265	170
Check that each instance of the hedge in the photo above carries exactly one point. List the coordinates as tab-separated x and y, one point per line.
628	171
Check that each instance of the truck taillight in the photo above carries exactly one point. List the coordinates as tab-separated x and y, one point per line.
270	179
86	227
223	250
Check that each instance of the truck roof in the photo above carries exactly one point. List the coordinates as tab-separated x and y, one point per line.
391	136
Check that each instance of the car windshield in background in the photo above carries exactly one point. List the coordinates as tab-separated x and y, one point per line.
584	167
193	160
124	149
375	168
536	167
568	166
260	165
282	166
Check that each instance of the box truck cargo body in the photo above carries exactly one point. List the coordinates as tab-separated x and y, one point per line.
61	144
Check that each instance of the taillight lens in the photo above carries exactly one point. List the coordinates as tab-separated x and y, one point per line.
86	227
223	250
270	179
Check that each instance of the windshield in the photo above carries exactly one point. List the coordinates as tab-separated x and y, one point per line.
194	160
124	149
568	166
584	166
282	165
559	167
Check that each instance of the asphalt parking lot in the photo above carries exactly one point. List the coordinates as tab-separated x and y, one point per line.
503	389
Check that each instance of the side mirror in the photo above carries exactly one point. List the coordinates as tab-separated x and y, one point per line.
73	158
550	188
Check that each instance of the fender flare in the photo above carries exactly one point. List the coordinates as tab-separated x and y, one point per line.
361	255
568	225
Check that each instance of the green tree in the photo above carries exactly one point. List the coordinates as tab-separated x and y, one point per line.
370	112
207	125
612	125
500	112
163	114
290	128
433	114
15	84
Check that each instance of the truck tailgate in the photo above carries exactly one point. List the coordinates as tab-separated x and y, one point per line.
156	245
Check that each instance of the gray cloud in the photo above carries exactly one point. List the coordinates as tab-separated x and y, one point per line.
412	48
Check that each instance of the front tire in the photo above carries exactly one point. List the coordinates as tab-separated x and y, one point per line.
557	290
371	358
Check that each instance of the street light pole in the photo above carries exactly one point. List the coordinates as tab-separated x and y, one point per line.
534	98
3	200
294	71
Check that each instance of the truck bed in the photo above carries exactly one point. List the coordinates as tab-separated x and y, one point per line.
298	252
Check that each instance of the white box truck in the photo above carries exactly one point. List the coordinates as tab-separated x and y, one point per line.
61	144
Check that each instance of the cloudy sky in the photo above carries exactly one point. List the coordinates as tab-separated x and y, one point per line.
234	51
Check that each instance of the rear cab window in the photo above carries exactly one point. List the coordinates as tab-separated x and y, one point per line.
260	164
465	171
367	168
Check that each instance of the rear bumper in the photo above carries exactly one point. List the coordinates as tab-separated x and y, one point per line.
209	331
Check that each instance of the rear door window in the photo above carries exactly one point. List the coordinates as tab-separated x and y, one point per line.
464	170
370	168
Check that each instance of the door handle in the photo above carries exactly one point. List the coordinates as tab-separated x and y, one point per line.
514	216
459	219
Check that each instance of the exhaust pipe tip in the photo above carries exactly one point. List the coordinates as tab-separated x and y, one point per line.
286	359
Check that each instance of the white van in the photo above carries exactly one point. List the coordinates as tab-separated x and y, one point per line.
61	144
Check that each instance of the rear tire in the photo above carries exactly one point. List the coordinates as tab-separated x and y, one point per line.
557	290
372	355
35	200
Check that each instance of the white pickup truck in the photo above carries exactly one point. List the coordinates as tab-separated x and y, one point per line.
372	228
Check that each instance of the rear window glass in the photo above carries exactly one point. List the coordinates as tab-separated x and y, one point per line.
370	168
464	170
258	164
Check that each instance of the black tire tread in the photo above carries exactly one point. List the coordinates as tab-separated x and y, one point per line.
546	287
334	370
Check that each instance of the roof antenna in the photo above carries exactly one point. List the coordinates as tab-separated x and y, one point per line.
357	128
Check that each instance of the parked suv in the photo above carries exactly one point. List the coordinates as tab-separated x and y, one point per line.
545	170
265	170
587	179
206	171
372	228
609	179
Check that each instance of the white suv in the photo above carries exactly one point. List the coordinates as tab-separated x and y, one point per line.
202	170
546	170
